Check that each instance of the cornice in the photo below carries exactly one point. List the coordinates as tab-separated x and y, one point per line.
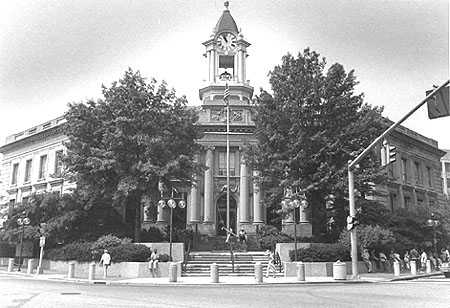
31	139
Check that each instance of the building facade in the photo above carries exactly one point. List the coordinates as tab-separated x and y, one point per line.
415	175
224	196
32	162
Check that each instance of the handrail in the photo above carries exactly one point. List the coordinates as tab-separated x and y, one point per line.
186	255
232	257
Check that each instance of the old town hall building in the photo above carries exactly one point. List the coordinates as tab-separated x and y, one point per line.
221	197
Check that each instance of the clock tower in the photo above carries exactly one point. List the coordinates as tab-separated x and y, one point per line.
226	54
225	195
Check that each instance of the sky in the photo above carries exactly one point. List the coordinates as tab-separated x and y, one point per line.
55	52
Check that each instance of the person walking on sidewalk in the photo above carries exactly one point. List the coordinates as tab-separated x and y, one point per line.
270	264
106	262
365	255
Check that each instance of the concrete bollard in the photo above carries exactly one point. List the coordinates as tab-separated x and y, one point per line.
339	270
396	268
71	272
214	273
258	272
173	272
91	271
413	266
428	267
300	271
10	264
30	266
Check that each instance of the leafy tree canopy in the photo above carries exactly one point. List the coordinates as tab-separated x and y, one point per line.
122	145
308	130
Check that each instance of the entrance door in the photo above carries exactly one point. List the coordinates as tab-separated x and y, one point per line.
222	214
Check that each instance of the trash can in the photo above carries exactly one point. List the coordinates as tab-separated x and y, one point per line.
339	270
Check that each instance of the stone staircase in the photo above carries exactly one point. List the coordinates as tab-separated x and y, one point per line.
199	263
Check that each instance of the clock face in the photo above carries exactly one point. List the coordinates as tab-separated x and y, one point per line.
226	41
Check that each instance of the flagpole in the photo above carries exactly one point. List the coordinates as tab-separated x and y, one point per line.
228	163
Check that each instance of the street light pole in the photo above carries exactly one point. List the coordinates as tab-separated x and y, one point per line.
434	222
172	205
22	221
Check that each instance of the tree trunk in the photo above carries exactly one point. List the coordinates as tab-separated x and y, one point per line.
136	203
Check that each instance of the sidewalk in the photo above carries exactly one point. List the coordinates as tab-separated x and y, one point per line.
223	280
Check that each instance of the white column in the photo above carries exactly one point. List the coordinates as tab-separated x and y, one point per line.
209	199
244	195
194	205
257	210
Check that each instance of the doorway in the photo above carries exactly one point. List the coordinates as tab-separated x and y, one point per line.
222	214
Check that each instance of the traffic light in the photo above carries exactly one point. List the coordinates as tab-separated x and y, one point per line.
388	153
438	105
391	154
352	222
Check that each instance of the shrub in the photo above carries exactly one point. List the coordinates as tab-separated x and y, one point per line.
164	258
129	252
152	235
270	236
81	252
370	237
330	253
108	241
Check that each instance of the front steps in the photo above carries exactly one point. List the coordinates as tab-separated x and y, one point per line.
199	263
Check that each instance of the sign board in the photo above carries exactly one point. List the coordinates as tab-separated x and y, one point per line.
42	241
439	105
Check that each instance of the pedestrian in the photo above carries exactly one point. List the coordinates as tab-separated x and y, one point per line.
423	260
374	257
105	260
270	263
384	264
414	254
406	259
366	258
154	259
242	236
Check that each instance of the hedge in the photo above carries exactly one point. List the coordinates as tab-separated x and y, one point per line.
331	253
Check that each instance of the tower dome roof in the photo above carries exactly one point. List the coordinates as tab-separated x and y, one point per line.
226	22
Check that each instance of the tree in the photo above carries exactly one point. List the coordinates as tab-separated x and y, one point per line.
121	146
308	130
68	218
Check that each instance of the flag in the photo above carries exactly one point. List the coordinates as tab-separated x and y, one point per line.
226	93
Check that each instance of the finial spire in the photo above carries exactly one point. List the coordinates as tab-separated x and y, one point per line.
226	4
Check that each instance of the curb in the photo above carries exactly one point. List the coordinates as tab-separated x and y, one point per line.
358	280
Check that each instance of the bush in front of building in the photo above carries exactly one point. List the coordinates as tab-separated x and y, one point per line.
120	249
81	252
330	253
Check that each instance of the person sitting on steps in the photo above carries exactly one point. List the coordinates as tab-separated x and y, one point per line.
154	259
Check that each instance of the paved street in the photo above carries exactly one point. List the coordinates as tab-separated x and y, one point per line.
23	291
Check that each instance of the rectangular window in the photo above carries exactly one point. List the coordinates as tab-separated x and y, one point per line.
417	176
28	165
15	172
223	164
43	167
404	169
393	201
58	163
407	201
429	177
